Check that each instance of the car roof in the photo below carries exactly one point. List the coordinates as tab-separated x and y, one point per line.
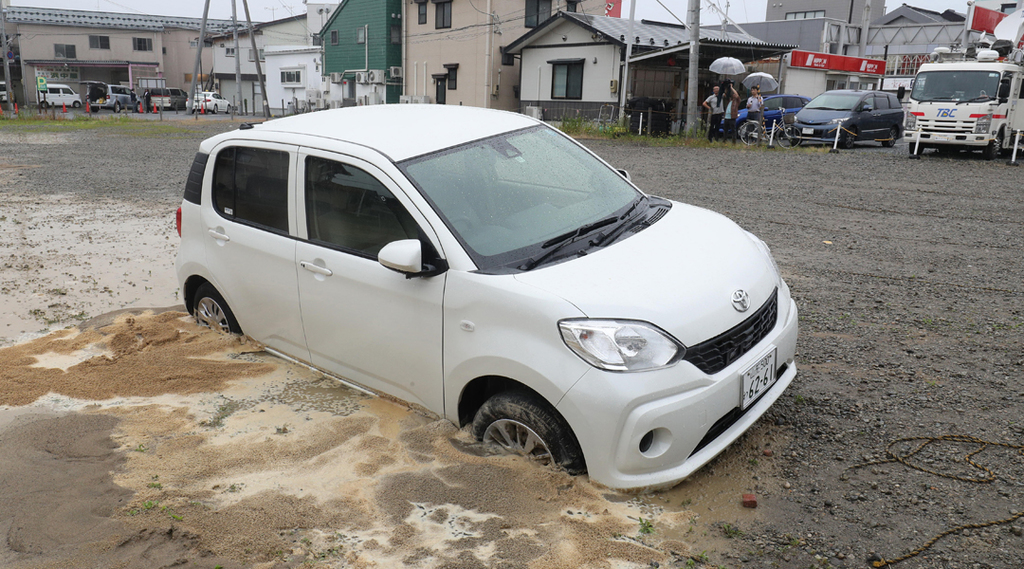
397	131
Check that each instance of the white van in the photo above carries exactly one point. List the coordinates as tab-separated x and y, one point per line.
58	95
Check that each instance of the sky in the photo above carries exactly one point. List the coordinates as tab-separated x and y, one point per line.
264	10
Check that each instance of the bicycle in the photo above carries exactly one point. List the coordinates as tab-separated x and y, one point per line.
785	134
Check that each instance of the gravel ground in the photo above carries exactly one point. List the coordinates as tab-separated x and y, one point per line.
908	275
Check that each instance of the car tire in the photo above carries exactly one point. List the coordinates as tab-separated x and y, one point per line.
523	423
995	147
76	105
894	133
117	106
43	105
848	137
211	310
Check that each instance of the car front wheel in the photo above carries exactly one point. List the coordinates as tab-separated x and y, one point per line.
894	133
524	424
848	137
76	105
211	310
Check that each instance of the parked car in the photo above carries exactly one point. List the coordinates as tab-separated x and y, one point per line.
491	270
212	102
774	107
169	98
864	115
113	97
59	95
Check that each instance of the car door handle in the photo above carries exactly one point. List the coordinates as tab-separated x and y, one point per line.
219	236
314	268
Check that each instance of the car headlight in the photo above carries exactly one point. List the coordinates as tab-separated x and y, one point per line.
621	345
983	125
911	122
836	121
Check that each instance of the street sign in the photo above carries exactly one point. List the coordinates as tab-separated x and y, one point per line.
40	83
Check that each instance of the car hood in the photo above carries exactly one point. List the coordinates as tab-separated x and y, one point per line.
678	274
820	116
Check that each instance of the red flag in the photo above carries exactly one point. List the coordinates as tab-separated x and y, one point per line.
613	8
985	20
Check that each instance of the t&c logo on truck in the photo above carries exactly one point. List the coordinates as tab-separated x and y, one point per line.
946	113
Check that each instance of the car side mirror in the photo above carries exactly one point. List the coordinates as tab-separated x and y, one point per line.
405	256
901	92
1004	91
866	108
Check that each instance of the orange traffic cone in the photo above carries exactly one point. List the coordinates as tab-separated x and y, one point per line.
154	109
141	108
204	107
15	108
65	107
88	107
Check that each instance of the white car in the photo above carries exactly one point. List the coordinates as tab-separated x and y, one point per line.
484	266
209	102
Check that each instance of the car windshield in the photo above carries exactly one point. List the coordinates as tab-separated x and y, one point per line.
834	102
955	85
507	196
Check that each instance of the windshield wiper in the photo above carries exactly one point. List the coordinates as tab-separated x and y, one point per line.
562	241
977	99
622	227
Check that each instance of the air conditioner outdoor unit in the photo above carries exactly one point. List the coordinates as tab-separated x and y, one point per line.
361	101
374	99
404	99
362	77
376	76
337	77
313	94
395	72
422	99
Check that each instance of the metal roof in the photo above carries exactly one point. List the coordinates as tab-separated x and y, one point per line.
116	20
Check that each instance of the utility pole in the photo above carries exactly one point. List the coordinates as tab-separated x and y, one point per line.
255	56
238	60
623	88
692	110
199	54
7	64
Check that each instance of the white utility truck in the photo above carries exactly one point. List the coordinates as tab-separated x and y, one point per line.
966	101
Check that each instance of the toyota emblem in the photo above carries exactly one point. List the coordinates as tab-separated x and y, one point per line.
740	300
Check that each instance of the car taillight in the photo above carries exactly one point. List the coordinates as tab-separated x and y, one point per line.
177	221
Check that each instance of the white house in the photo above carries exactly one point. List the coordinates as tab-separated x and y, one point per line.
293	78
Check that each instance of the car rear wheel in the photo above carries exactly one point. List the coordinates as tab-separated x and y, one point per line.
894	133
117	107
212	311
524	424
76	104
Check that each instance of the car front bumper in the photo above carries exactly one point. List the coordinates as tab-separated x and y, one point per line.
688	417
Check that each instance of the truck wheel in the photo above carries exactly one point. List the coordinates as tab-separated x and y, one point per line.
995	147
522	423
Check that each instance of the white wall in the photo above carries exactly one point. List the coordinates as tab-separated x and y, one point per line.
537	72
295	58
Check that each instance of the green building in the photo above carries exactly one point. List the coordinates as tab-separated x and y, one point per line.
362	43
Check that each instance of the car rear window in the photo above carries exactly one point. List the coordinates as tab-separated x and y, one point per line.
251	185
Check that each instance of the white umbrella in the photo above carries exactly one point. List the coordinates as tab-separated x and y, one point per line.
761	80
727	66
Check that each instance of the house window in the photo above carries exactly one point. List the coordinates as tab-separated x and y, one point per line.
443	15
422	12
99	42
291	76
805	15
229	52
261	55
396	34
570	5
142	44
361	34
64	51
453	75
334	37
567	79
536	12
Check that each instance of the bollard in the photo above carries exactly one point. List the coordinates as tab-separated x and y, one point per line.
835	145
917	147
1013	157
88	107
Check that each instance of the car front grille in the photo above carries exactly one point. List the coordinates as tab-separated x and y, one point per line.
714	355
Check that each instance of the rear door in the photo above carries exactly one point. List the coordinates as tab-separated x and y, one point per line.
249	223
362	321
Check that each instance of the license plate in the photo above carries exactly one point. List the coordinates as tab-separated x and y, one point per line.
758	378
806	130
941	137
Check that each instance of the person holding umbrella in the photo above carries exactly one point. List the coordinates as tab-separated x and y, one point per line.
732	109
714	106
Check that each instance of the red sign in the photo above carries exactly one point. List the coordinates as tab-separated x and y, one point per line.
613	8
831	62
985	20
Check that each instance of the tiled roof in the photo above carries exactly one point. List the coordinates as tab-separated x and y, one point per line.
89	19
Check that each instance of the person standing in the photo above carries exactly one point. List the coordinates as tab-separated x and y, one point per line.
755	105
714	106
148	98
732	109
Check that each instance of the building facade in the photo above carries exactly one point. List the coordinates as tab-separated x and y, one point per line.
362	49
849	11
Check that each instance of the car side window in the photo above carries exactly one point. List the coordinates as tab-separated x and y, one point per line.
251	185
774	104
349	208
881	102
